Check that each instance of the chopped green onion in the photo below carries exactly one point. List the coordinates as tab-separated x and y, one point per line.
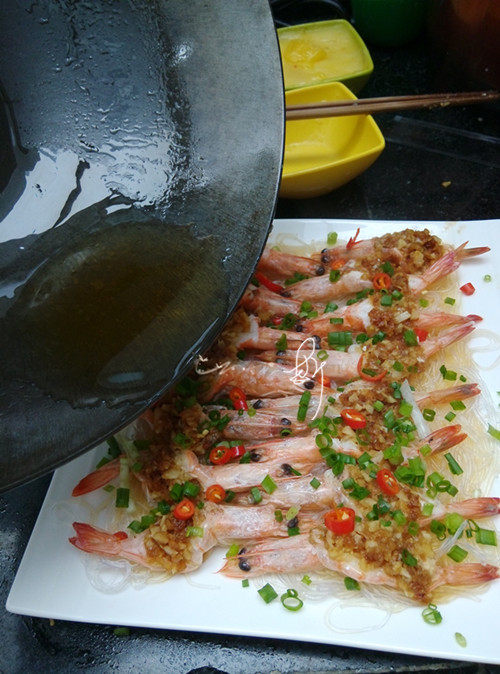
121	631
176	492
109	488
331	239
410	338
378	405
245	582
268	484
389	419
423	303
462	378
405	408
322	354
136	467
449	300
163	507
487	278
113	447
378	337
438	529
122	497
336	320
408	558
361	338
288	322
335	274
281	343
486	536
297	276
460	639
103	462
399	517
397	294
493	432
246	456
339	338
233	550
431	615
291	513
388	268
386	301
303	405
428	414
291	600
268	593
306	580
278	516
413	528
457	554
256	494
190	489
454	467
315	483
136	527
457	405
200	504
450	416
425	450
427	509
398	366
194	532
351	584
230	494
330	306
293	531
452	522
182	440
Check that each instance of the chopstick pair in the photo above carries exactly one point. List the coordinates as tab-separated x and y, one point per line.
368	106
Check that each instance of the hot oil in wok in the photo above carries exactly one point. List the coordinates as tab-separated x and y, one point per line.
110	319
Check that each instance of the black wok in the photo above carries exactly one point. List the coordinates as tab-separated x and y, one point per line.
141	154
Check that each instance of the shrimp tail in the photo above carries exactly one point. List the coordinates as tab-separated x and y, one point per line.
464	253
445	438
98	478
466	574
472	508
98	541
447	395
447	337
437	320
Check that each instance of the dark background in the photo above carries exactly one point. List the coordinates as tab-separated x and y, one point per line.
424	149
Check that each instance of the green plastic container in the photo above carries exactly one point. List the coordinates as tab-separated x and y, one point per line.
389	23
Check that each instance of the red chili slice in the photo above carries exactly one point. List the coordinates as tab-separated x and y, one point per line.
184	510
340	521
120	535
421	334
215	493
238	398
276	320
353	240
219	455
368	377
270	285
353	418
382	281
387	482
468	289
237	451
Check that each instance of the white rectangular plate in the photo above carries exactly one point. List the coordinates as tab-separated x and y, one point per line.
51	581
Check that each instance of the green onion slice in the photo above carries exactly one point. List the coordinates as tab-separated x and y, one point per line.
431	615
268	593
291	600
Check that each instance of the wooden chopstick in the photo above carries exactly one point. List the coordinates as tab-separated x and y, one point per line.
368	106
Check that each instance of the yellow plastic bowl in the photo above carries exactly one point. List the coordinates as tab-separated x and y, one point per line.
324	51
323	154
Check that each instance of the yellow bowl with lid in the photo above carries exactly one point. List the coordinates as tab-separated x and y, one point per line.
323	154
324	51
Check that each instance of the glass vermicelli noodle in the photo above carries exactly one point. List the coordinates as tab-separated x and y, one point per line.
332	440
